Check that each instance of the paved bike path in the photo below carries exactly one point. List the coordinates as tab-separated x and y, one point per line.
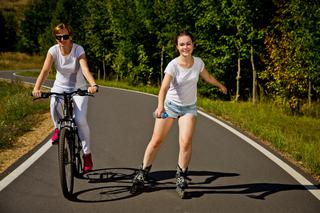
228	174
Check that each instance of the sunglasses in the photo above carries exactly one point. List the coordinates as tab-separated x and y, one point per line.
65	37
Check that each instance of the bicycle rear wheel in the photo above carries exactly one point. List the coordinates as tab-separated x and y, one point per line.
66	162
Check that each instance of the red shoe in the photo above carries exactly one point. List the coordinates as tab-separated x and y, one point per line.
55	137
87	162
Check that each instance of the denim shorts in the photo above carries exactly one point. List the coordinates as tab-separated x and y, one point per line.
176	111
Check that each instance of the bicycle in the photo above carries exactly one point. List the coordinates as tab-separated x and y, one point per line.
70	149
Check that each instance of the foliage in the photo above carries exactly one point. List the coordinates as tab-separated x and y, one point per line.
11	15
293	46
142	72
38	15
132	40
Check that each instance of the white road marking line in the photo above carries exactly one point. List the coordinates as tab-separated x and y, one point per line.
24	166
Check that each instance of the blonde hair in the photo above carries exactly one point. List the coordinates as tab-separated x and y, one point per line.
60	27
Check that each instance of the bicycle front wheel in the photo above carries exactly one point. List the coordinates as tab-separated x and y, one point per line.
66	164
77	154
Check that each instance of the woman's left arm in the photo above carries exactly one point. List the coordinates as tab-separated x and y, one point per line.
211	80
87	74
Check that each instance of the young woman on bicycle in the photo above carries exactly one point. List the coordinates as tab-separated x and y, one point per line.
177	97
72	69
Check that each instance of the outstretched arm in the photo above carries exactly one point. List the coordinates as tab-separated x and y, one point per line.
211	80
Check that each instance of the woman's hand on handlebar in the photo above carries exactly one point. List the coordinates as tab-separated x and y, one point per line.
36	93
93	89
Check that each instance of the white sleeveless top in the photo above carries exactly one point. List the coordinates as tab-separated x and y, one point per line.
183	87
69	74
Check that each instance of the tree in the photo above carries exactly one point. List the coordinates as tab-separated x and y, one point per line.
261	13
98	36
293	46
38	15
9	31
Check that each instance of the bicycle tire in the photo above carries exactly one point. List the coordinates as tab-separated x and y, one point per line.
66	162
78	160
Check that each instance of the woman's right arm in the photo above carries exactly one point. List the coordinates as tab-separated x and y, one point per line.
43	75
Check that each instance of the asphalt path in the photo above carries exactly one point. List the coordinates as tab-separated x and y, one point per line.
229	172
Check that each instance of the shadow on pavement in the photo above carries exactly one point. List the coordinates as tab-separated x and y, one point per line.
111	184
197	189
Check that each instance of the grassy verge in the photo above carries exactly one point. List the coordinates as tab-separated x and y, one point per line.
18	112
297	137
16	61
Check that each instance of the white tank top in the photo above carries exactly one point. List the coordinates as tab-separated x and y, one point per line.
69	74
183	87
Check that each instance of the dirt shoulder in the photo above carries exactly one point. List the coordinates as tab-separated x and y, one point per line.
26	142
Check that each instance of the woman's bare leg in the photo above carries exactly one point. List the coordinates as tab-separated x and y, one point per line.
187	125
160	131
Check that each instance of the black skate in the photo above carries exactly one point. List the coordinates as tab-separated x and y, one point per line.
181	183
139	180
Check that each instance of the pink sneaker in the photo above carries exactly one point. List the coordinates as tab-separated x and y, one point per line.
55	137
87	162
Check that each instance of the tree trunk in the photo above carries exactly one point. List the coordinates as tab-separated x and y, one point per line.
161	65
254	79
104	69
238	77
309	93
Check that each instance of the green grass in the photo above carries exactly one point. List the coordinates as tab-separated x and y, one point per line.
17	61
18	112
296	136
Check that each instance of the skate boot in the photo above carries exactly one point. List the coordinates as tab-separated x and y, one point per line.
182	184
139	180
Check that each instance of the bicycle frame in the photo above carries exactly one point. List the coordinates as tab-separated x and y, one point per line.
69	146
67	120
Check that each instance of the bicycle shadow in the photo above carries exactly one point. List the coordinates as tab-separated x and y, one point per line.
118	179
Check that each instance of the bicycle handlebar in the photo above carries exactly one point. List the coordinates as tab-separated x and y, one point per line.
76	92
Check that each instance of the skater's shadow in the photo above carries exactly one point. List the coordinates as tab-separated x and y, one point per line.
201	184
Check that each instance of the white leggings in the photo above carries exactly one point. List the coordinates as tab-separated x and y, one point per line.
80	112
